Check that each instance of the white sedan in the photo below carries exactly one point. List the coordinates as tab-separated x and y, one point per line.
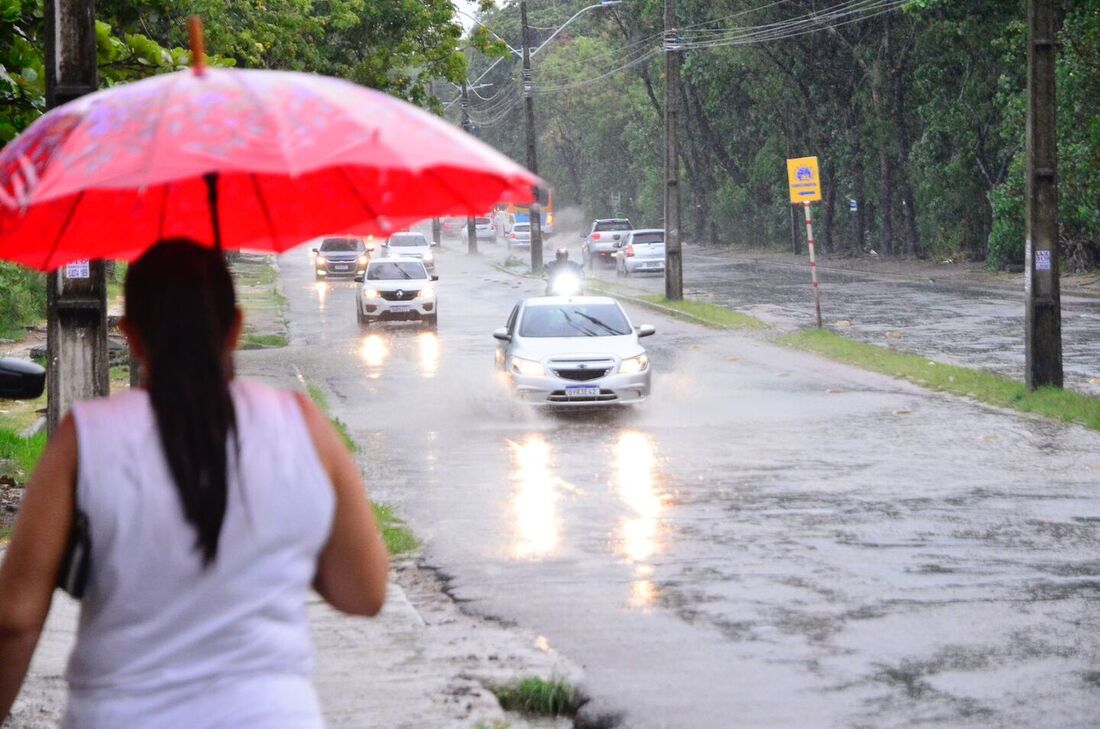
578	351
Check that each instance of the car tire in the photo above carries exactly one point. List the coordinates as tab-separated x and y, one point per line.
432	322
358	315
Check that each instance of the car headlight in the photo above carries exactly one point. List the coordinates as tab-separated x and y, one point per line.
428	257
370	294
565	284
364	260
427	292
634	365
320	260
523	366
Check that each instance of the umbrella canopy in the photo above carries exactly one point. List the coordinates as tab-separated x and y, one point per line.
293	155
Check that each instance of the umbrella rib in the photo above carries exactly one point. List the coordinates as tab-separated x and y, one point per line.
355	192
263	207
64	226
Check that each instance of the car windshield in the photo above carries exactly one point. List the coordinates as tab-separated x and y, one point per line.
613	225
482	221
408	240
340	245
574	320
648	238
388	271
522	227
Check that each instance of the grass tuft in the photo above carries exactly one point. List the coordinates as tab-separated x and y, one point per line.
538	696
264	340
399	538
1064	405
514	262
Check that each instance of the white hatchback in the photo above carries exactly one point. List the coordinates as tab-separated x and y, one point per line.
410	245
396	289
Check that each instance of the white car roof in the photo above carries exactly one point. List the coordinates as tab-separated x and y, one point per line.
649	230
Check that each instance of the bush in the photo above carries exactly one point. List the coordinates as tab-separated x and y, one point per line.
22	299
1006	237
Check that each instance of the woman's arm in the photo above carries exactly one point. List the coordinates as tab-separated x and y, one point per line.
354	565
30	567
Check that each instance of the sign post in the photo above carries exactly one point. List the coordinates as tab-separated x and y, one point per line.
805	187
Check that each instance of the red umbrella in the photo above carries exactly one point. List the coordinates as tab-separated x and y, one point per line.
291	156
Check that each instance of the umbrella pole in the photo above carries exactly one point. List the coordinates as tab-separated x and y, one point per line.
212	197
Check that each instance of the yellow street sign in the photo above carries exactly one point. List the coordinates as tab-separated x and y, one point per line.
804	181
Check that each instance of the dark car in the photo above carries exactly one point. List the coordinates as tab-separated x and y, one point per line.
340	256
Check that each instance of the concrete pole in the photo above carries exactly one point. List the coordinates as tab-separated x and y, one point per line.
76	296
1043	318
674	272
532	156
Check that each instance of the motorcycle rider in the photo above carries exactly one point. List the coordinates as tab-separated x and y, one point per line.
562	264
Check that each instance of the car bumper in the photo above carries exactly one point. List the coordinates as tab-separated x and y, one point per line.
549	391
338	269
520	242
486	234
642	265
383	310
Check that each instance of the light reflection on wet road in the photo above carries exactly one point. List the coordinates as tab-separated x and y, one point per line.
772	538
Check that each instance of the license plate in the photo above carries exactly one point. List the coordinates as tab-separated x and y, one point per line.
342	266
399	309
582	391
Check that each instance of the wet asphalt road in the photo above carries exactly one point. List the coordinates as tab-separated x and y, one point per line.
772	540
975	327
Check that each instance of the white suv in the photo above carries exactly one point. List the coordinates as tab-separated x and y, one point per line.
396	289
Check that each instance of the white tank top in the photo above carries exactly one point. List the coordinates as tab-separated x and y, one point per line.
159	635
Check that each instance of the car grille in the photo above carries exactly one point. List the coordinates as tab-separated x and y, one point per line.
581	375
560	396
401	295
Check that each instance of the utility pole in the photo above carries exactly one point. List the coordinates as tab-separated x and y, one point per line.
674	268
471	228
532	157
1043	336
76	295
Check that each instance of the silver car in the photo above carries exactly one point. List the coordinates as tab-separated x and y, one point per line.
520	236
602	241
578	351
641	251
410	244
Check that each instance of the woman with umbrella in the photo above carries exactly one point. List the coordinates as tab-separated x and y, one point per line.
212	504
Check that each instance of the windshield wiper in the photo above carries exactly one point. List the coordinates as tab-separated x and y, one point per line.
585	330
599	323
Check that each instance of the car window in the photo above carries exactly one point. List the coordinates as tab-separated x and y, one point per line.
340	245
574	320
612	225
648	238
522	227
482	221
390	270
407	240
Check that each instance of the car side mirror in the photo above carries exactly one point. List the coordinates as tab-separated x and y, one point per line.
502	334
20	379
359	278
435	277
646	330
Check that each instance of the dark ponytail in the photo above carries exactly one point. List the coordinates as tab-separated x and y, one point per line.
181	304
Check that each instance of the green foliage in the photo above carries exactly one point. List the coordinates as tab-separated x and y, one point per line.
22	299
18	455
918	114
399	538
